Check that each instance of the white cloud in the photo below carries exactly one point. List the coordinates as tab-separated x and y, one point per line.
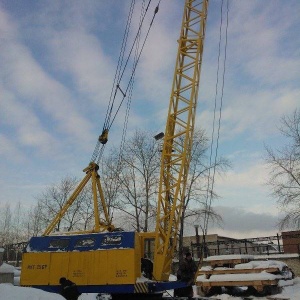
156	67
80	56
262	70
29	130
8	149
245	186
25	78
245	223
241	223
256	113
8	29
253	176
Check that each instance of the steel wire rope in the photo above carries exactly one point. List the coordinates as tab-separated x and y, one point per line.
220	110
123	136
118	75
131	83
107	126
210	190
211	185
135	65
214	117
96	152
120	62
106	123
129	99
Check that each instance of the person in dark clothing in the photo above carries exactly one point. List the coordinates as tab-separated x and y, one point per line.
186	272
68	289
147	267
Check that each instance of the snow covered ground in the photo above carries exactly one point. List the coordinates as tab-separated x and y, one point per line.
15	292
10	292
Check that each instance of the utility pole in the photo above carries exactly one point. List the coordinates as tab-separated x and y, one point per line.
197	240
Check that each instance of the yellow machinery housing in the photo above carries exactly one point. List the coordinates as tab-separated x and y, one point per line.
107	259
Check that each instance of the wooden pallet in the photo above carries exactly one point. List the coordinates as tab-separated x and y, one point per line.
229	262
268	297
277	298
208	273
214	279
259	286
255	283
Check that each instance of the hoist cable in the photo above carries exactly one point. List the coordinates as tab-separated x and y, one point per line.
120	62
100	152
214	118
135	40
106	125
124	48
96	154
211	187
220	113
96	151
134	68
129	98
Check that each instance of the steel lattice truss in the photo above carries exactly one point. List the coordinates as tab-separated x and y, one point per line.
179	134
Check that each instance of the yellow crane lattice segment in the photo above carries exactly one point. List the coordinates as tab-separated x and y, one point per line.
91	174
179	134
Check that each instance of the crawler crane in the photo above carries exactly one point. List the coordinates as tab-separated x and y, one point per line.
108	261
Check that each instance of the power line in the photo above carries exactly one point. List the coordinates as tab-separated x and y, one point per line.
210	185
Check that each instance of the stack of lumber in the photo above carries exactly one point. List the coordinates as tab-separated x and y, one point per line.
231	271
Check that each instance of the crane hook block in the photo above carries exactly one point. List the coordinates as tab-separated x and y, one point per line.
103	138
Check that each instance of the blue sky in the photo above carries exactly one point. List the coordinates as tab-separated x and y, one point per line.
57	63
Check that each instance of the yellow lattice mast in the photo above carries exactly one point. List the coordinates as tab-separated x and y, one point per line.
178	137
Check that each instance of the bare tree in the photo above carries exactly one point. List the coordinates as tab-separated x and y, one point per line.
51	201
199	193
85	212
15	224
110	182
138	178
284	167
17	231
6	225
34	224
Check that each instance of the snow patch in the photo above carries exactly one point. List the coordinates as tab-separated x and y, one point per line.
229	257
10	292
257	264
5	268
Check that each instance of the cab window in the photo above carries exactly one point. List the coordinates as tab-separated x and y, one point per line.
59	243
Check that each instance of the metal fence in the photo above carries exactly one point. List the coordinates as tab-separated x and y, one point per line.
254	246
13	253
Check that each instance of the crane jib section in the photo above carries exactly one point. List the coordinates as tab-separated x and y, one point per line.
179	134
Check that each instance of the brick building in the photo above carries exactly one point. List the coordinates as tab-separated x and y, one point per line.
291	241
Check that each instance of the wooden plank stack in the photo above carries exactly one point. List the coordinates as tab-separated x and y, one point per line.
240	271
